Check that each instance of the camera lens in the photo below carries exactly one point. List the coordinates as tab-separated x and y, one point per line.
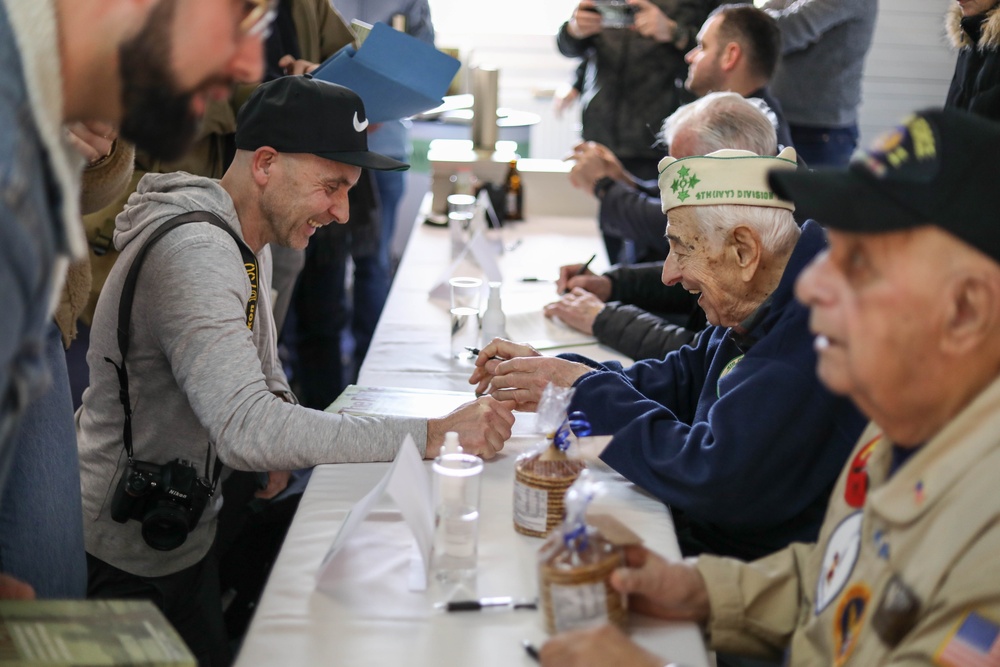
165	526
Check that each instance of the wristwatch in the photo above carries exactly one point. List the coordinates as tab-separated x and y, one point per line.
602	185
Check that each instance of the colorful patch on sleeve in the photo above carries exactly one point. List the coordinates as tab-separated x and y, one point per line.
726	370
847	622
841	554
974	643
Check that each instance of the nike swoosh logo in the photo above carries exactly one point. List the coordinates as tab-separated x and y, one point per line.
359	126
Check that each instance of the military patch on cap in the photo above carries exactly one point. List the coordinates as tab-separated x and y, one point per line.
906	153
723	177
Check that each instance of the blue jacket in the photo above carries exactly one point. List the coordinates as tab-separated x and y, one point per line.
39	194
744	447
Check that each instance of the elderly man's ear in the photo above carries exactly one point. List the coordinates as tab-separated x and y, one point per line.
973	315
746	248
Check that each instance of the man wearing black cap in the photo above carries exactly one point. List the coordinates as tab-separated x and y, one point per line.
905	306
204	384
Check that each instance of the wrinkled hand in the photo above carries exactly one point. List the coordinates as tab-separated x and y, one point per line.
577	309
597	647
92	139
295	67
523	379
585	22
491	355
15	589
671	590
593	162
650	21
483	426
599	286
277	481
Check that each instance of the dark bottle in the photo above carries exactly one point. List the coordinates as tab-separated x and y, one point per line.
514	193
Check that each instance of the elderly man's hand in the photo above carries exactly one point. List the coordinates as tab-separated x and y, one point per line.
593	162
656	587
483	426
599	286
498	350
585	22
577	309
523	379
650	21
597	647
15	589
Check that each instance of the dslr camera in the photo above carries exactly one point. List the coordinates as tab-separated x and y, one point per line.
168	499
615	13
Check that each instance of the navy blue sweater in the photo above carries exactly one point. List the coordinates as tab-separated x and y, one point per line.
744	453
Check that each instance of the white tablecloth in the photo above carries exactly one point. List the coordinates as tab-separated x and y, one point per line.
298	625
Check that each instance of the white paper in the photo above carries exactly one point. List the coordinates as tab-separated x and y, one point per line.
483	251
544	333
407	484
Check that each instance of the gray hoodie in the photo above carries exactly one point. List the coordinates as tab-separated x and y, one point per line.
197	375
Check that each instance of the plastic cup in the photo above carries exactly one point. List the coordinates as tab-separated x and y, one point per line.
465	296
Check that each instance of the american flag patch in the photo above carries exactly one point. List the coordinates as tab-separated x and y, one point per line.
976	643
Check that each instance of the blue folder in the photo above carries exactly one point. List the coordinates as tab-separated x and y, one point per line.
395	74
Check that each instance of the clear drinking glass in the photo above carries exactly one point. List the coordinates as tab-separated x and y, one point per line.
465	296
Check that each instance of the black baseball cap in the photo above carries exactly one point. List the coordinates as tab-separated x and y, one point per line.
937	168
300	114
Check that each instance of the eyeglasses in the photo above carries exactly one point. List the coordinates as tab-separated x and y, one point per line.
258	16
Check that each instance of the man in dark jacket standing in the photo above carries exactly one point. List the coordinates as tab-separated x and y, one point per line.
974	29
629	79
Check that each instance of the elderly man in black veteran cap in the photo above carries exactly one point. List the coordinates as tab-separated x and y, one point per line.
201	375
905	306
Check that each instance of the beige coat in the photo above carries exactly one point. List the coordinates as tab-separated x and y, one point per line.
888	583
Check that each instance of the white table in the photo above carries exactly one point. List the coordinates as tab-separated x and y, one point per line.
297	625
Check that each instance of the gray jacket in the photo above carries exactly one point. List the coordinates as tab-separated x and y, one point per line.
823	44
201	384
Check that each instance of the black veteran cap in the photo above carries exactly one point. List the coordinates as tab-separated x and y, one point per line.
937	168
300	114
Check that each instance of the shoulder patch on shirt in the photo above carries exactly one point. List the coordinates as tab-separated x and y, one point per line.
975	642
726	370
838	561
848	620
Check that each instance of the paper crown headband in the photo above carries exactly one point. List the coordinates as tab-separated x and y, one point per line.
724	177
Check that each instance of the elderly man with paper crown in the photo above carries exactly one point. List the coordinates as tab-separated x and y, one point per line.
736	435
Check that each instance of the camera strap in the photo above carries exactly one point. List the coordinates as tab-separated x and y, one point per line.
128	294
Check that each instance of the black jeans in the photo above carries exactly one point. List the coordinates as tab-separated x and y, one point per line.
190	599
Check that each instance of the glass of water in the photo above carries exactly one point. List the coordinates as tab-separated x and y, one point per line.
465	297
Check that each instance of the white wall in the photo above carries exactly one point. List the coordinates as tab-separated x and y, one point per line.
909	66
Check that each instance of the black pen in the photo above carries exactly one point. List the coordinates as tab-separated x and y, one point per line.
586	265
581	270
486	603
530	649
474	351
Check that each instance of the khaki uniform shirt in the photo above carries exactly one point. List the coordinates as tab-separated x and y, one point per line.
906	570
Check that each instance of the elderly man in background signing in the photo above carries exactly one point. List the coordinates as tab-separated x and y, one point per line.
736	434
905	571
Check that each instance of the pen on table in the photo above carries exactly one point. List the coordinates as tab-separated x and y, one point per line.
583	269
530	649
486	603
474	351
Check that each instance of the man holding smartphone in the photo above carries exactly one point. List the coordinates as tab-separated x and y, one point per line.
628	82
